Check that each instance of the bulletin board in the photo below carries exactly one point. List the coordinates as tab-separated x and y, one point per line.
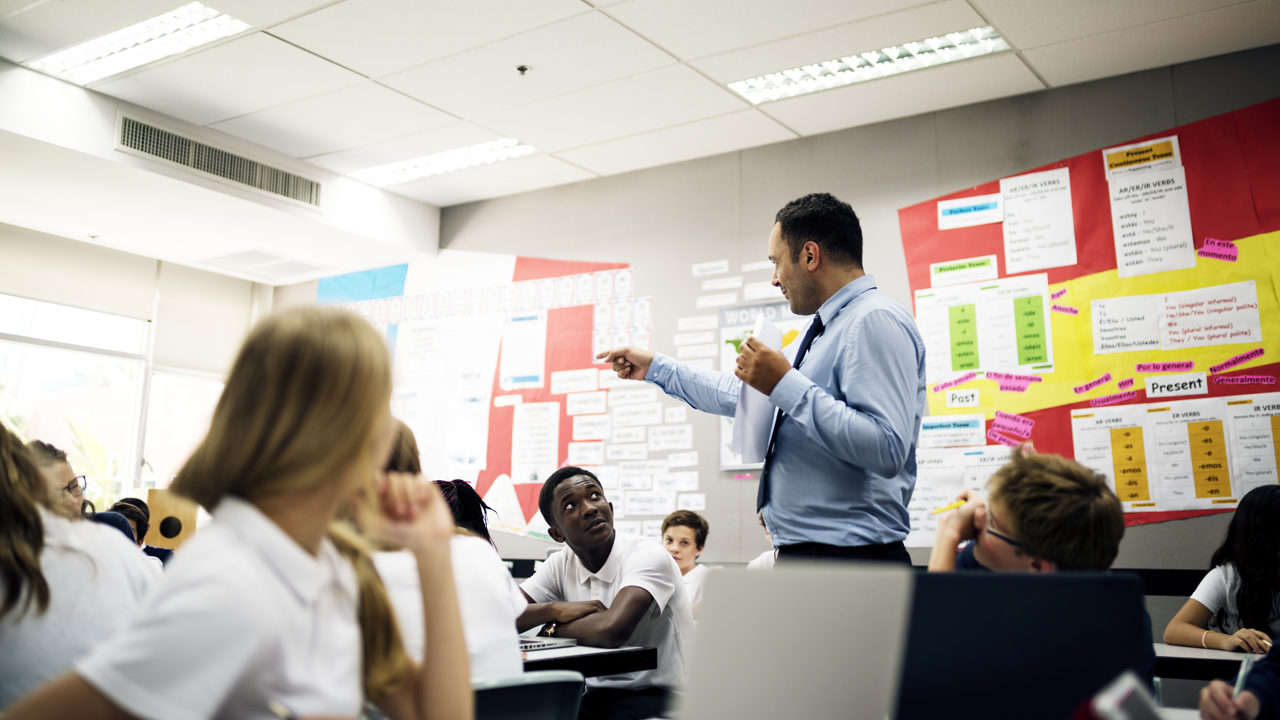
495	372
1133	325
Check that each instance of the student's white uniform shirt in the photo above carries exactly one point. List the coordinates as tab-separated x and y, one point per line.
695	580
1219	589
488	598
764	561
242	617
96	579
634	562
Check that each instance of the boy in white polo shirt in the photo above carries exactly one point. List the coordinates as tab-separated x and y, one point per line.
609	590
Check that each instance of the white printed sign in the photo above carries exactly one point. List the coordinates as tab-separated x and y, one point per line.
962	398
671	437
970	211
633	396
714	267
591	427
573	381
677	414
650	502
629	434
1177	385
684	459
692	501
586	453
701	322
587	403
628	451
631	415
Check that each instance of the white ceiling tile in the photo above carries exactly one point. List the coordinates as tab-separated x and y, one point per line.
656	99
697	28
1239	27
265	14
344	118
912	93
841	41
245	75
417	145
49	26
379	37
490	181
702	138
569	55
1032	24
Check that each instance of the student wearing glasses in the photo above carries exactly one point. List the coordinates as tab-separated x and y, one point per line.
66	587
65	488
1044	513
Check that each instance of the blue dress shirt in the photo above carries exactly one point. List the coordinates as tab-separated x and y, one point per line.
844	465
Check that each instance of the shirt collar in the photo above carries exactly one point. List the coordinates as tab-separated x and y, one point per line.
609	572
304	574
844	296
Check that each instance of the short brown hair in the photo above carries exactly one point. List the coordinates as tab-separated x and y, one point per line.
691	520
404	454
1059	510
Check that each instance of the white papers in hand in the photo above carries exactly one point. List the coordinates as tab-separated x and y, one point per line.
753	422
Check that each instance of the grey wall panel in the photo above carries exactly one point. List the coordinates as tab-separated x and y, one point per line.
664	219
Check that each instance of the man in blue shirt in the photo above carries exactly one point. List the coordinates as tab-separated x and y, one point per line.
841	463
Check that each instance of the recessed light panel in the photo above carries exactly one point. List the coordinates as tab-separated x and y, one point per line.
444	162
188	27
870	65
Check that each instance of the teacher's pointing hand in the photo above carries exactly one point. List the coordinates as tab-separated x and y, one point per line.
760	366
631	363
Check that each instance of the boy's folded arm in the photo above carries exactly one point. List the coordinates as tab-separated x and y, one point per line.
611	628
536	614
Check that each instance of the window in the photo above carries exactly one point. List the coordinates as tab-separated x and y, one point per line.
178	415
73	378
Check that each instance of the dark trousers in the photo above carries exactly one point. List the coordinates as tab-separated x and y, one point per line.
624	704
894	552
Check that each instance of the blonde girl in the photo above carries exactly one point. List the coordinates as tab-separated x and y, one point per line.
260	615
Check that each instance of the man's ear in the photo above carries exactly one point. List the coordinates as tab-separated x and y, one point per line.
555	534
811	256
1040	565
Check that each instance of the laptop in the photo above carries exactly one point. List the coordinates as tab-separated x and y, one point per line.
808	641
545	643
993	646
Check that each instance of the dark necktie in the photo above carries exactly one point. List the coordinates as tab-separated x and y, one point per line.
762	493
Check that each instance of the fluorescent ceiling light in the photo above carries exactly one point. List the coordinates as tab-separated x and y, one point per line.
894	60
443	162
175	32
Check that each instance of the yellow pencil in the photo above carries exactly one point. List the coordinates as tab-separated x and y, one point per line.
945	508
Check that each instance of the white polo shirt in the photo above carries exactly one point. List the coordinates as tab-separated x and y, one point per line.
488	599
96	579
634	562
242	617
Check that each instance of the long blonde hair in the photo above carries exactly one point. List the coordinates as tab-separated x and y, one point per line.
302	398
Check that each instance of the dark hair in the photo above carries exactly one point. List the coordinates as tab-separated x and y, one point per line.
547	494
691	520
131	512
467	506
45	454
113	519
138	503
821	218
21	528
1253	544
404	454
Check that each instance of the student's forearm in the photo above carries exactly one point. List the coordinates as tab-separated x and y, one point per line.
605	630
943	556
1184	633
536	614
444	682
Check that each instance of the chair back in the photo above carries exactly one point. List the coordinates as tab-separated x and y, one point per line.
544	695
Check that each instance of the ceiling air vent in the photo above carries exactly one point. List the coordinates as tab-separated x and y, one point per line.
186	152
